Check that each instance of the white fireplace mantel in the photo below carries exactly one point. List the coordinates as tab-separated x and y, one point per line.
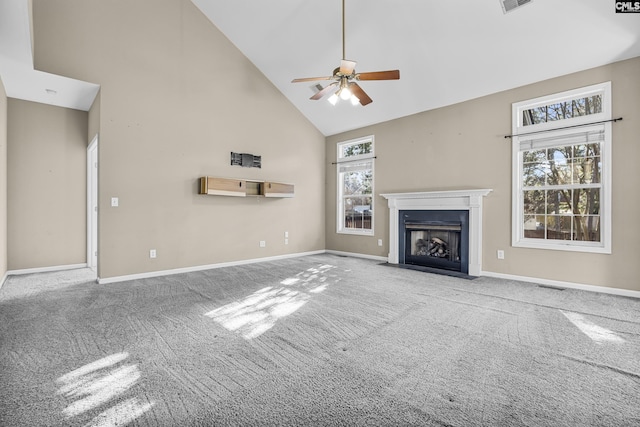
470	200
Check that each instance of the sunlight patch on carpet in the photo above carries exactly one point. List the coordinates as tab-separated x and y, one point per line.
590	329
99	382
121	414
257	313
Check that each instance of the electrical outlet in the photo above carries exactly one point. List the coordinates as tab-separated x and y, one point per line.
152	253
500	254
263	244
379	242
286	241
286	234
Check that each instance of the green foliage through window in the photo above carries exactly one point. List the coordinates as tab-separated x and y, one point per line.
357	149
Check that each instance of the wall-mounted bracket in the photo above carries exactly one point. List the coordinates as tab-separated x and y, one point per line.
246	160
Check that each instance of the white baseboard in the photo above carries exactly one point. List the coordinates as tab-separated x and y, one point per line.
356	255
4	279
150	274
45	269
560	284
548	282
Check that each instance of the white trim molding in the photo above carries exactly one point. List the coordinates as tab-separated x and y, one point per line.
563	132
567	285
159	273
92	203
343	164
470	200
3	280
39	270
45	269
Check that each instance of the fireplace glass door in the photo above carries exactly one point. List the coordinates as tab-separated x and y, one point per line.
433	244
434	238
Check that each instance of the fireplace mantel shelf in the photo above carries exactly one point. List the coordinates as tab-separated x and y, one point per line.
469	199
439	194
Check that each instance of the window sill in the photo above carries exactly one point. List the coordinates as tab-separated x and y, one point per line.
356	233
568	247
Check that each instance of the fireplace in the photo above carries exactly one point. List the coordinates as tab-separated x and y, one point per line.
468	202
437	239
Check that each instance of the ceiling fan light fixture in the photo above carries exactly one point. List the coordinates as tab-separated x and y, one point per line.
344	78
345	93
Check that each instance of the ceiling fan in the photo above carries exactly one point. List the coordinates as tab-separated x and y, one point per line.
344	79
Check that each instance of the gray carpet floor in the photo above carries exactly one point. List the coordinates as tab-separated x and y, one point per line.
318	340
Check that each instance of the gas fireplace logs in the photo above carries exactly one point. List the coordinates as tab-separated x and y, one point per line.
434	247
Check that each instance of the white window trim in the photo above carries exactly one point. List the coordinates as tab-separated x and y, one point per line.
340	199
517	232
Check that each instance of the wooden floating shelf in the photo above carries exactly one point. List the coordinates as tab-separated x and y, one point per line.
214	186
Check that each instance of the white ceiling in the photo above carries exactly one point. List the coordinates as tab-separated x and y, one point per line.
446	51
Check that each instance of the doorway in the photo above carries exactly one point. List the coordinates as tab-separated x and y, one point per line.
92	204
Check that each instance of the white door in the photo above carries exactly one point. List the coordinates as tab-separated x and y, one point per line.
92	204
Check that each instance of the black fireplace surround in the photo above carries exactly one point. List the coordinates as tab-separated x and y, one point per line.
434	238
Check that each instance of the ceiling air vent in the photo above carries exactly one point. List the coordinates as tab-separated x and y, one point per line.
510	5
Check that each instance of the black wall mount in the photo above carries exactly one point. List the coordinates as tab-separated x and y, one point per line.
246	160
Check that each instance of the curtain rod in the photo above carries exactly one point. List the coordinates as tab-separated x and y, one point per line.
566	127
354	160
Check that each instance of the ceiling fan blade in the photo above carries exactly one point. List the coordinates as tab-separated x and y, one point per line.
310	79
347	67
357	91
324	91
379	75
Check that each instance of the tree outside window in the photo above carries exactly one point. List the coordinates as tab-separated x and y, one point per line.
561	197
562	171
355	186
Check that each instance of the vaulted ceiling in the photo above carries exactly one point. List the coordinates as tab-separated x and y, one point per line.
447	52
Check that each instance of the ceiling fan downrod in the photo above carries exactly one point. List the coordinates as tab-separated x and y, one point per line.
344	77
344	56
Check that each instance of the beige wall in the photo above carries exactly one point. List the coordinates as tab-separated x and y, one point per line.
463	146
47	151
3	182
176	98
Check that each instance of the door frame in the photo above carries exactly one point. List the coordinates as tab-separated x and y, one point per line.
92	204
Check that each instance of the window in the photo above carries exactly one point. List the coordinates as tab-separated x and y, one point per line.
355	186
562	171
